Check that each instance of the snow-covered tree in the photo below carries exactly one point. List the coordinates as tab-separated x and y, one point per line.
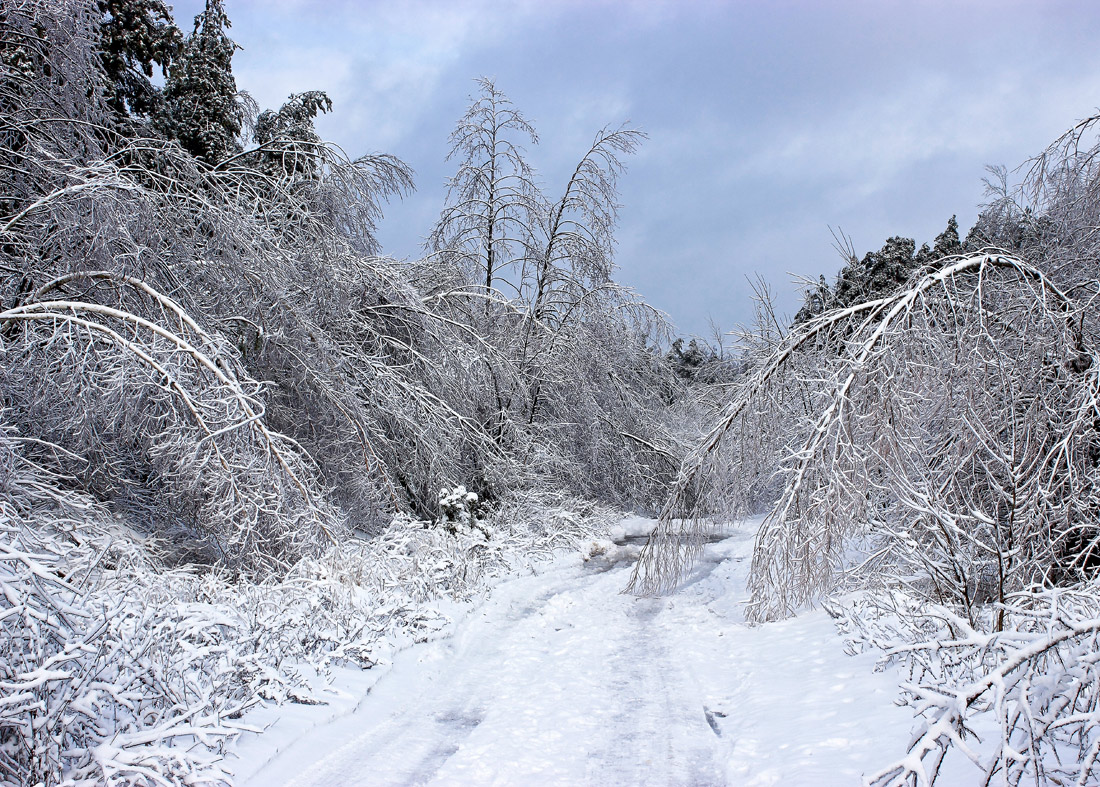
878	273
287	138
135	36
578	250
493	204
535	276
202	106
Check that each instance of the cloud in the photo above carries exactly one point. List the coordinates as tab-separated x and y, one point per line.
768	121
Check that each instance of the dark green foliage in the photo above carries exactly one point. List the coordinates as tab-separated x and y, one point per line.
947	242
289	141
202	109
135	36
51	97
1005	227
686	363
879	273
816	300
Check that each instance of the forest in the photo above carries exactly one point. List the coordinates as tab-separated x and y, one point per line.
235	437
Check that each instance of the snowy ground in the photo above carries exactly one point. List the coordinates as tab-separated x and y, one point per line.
558	678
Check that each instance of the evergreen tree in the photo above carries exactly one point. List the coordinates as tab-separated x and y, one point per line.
686	363
135	35
203	113
817	299
289	140
880	272
947	242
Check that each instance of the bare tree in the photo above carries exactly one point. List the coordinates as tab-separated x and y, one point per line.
579	229
493	202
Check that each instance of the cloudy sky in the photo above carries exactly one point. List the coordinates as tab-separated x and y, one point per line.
769	122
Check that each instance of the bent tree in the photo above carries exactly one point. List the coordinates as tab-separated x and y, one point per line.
968	475
493	202
936	449
566	351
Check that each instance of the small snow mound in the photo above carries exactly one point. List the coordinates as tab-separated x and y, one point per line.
596	548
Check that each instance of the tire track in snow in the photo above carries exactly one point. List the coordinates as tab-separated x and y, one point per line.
418	715
556	679
668	742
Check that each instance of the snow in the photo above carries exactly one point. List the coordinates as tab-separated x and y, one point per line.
559	678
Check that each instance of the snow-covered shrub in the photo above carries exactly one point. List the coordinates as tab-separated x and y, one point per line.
544	521
115	668
1021	703
462	511
596	548
90	675
457	504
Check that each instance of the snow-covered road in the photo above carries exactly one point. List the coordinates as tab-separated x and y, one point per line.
558	678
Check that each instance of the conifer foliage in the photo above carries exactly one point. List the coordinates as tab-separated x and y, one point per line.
289	143
136	37
880	272
203	111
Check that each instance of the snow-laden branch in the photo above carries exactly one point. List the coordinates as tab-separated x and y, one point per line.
867	419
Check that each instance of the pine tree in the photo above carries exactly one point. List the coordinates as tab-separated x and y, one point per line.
135	35
879	273
687	363
203	113
947	242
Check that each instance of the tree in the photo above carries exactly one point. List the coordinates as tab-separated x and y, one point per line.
943	464
686	363
51	103
202	109
290	145
580	227
879	273
493	203
566	361
135	36
947	242
293	175
499	220
576	256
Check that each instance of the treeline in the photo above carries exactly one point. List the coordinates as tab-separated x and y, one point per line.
198	330
229	428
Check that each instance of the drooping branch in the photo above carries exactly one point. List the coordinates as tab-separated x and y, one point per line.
796	552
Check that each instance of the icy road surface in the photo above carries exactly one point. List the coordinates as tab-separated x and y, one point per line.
558	678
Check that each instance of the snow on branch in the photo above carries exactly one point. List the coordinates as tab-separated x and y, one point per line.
900	432
192	416
1019	703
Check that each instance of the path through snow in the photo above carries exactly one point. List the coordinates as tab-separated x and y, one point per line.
558	678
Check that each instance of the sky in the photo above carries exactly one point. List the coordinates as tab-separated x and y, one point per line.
770	124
